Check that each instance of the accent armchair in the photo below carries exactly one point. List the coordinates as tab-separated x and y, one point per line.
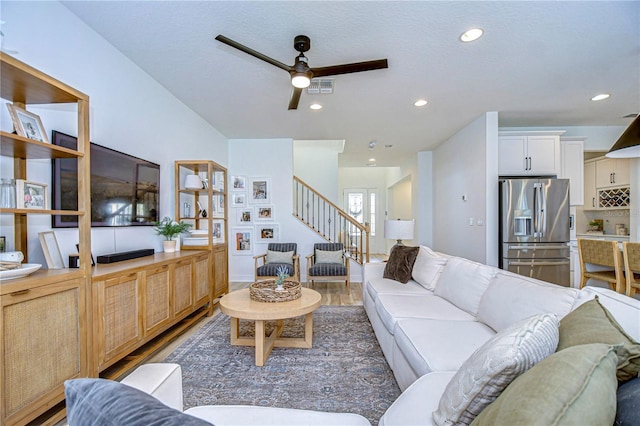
328	263
278	254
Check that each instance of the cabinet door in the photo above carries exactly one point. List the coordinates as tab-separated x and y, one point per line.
605	170
512	155
573	169
621	172
220	271
590	186
544	155
118	321
182	288
42	344
202	272
157	299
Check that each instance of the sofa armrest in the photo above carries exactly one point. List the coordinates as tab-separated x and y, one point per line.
160	380
372	270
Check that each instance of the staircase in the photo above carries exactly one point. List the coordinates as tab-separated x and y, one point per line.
330	221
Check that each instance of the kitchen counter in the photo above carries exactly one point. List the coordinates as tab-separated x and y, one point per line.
609	237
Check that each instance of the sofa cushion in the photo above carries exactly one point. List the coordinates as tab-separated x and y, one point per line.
279	256
105	402
463	282
392	307
592	323
377	286
576	386
439	345
243	415
494	366
427	268
400	263
628	403
511	298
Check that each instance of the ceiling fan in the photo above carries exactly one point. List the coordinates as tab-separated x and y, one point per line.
301	73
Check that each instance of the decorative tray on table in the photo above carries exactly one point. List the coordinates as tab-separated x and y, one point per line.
265	291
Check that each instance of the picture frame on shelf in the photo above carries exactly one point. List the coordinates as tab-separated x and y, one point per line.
245	216
260	188
242	241
238	183
217	206
238	199
218	181
93	262
51	250
265	213
218	231
31	195
3	244
27	124
268	233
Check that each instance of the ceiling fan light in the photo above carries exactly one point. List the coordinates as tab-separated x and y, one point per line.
300	80
600	97
471	35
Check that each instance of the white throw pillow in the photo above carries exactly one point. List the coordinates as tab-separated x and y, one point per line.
427	268
279	256
493	366
463	282
324	256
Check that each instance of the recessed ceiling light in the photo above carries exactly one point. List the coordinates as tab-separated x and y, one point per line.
471	35
372	160
315	106
420	102
600	97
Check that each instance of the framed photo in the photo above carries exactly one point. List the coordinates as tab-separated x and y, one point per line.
27	124
268	233
265	213
218	206
238	199
218	231
51	250
218	181
31	195
242	241
260	190
3	244
93	262
238	183
245	216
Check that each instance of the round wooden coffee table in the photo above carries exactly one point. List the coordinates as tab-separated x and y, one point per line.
238	305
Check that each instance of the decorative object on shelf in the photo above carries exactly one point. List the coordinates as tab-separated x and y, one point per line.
193	182
217	206
31	195
27	124
51	250
268	233
628	145
18	272
3	244
218	231
15	257
260	190
266	291
201	210
596	225
398	230
265	213
8	193
169	229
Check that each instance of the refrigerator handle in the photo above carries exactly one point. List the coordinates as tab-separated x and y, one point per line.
536	208
543	212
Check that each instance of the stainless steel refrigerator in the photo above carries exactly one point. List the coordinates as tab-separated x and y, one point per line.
534	228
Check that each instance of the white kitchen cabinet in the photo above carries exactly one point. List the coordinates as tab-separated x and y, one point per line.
590	191
572	168
612	172
529	153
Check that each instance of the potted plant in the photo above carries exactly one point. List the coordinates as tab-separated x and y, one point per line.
169	228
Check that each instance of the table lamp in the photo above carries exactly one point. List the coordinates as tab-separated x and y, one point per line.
397	229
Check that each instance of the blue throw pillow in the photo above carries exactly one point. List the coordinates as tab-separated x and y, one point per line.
628	396
100	402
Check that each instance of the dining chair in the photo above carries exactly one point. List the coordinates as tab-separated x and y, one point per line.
328	262
604	260
631	256
277	255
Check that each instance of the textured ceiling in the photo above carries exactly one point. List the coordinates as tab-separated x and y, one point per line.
538	64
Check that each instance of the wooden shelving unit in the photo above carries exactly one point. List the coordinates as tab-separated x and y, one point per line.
213	199
46	303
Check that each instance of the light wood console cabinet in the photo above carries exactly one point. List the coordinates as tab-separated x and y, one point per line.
139	300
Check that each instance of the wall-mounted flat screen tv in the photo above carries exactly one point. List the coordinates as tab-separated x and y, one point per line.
124	189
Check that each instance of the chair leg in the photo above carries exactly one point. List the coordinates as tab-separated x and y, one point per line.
583	281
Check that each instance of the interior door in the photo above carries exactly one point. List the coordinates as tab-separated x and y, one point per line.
362	205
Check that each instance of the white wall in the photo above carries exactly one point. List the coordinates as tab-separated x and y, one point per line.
130	112
461	169
316	163
423	199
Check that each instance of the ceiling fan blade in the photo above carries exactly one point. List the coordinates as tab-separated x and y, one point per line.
349	68
295	98
253	53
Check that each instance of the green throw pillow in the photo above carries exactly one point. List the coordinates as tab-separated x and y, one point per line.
593	323
576	386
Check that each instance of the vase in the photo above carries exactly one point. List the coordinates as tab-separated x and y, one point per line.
169	246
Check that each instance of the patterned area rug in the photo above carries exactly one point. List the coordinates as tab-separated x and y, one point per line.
345	370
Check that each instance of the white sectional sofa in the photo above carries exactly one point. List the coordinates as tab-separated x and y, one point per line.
428	328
